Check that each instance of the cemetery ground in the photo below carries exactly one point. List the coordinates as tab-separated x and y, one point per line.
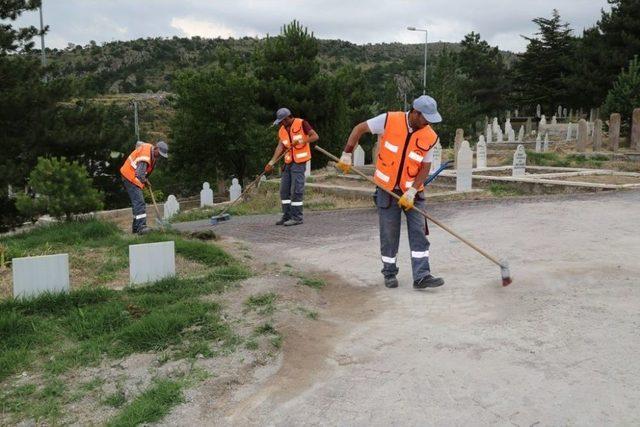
110	354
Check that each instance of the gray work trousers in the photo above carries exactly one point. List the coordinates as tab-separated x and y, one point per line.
292	190
138	206
389	215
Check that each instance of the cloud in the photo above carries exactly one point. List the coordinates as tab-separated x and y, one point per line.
192	27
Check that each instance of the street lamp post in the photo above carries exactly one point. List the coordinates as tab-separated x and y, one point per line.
424	77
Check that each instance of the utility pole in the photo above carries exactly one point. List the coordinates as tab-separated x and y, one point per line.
44	56
424	77
135	119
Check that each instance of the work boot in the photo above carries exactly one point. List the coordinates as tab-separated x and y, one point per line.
391	282
291	222
428	282
281	221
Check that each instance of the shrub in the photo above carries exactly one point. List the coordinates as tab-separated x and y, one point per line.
62	189
624	96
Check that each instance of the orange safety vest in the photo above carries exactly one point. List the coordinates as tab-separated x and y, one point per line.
400	153
295	141
140	154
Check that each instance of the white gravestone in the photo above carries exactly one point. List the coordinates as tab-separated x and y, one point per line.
569	131
554	120
358	156
543	122
516	113
437	157
519	161
499	137
307	169
235	190
521	134
559	114
206	195
38	274
481	154
150	262
538	111
545	145
464	166
494	125
489	134
512	135
538	142
171	207
564	112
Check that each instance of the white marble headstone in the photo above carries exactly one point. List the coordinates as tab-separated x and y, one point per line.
171	207
538	141
206	195
358	156
569	131
545	145
481	154
38	274
499	136
307	169
521	134
437	157
464	166
519	161
543	122
559	111
489	134
494	125
538	111
235	190
150	262
554	120
564	112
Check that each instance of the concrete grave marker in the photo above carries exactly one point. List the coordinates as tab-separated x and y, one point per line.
545	145
489	134
583	134
464	166
494	125
358	156
564	112
538	110
538	142
571	113
635	130
481	154
456	143
171	207
206	195
521	134
597	135
437	157
516	113
35	275
235	190
307	169
519	161
554	120
150	262
614	131
499	136
559	114
569	131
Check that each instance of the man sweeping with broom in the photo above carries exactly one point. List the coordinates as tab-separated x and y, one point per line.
135	171
403	164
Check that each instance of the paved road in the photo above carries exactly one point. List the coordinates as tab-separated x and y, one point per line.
559	346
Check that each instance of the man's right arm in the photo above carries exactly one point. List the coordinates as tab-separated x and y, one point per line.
354	138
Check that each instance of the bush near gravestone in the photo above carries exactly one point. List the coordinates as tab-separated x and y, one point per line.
624	96
61	188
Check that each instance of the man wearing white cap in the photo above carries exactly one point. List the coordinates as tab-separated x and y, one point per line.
295	137
403	164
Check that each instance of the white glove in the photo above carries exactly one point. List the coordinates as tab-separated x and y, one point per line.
345	162
407	199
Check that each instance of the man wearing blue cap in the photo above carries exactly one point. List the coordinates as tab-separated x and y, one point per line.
403	164
295	137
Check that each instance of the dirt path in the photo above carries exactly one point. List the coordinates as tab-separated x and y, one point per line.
559	346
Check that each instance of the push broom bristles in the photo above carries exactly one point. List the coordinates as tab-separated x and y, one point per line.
506	275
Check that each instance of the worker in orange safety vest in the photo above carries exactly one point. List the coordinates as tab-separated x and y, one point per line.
404	160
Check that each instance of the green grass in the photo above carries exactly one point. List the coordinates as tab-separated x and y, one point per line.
269	330
505	190
150	406
569	160
115	399
262	303
312	282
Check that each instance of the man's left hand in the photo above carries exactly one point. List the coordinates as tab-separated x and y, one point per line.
406	201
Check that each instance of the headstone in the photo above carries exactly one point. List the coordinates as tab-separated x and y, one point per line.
592	115
35	275
635	130
150	262
517	113
508	114
235	190
519	161
571	113
597	135
614	131
545	145
554	120
543	123
494	125
307	167
581	146
481	154
171	207
564	112
464	166
437	157
489	134
528	127
499	136
569	131
559	114
206	195
358	156
521	134
538	141
456	143
538	110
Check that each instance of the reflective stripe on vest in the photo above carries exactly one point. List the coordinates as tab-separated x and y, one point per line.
294	140
400	156
141	154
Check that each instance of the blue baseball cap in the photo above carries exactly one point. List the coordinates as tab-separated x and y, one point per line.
428	107
281	114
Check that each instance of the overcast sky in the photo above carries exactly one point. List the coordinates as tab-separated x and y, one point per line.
500	22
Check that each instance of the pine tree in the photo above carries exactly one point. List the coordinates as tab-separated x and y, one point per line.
624	96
